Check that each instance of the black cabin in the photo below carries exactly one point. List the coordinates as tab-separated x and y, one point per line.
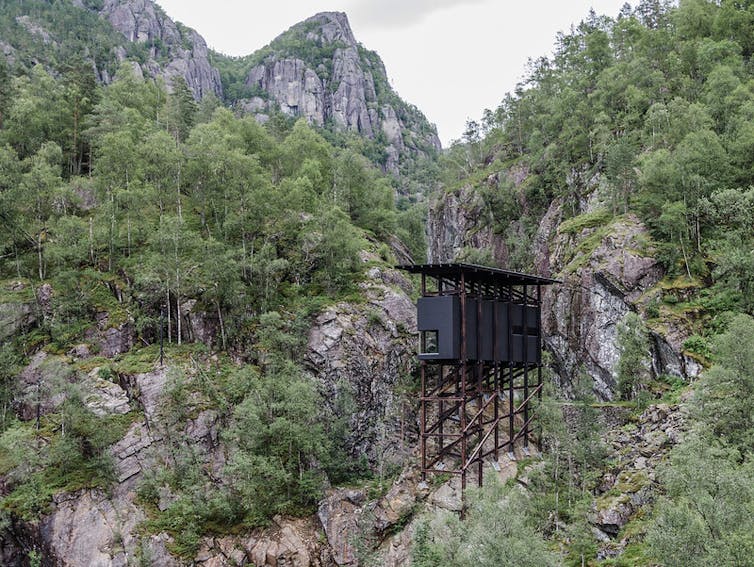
474	313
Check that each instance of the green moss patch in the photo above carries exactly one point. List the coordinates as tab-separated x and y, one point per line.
588	220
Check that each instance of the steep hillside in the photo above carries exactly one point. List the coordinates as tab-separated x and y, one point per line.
622	166
616	168
206	357
101	34
319	71
316	70
200	332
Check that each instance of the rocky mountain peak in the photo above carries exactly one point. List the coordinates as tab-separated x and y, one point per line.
318	71
173	50
333	27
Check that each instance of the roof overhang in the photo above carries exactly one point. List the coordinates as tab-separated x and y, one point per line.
473	272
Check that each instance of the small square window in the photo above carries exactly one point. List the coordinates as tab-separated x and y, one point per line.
429	342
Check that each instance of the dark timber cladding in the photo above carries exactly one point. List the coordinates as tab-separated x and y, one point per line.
480	351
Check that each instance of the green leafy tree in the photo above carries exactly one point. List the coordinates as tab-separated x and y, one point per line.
35	198
37	114
277	436
495	532
633	364
181	109
9	366
621	172
336	254
173	265
306	153
706	517
80	95
724	400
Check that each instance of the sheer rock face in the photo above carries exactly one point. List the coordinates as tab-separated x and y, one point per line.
459	220
83	528
340	89
359	354
581	316
185	51
14	317
606	272
296	88
17	314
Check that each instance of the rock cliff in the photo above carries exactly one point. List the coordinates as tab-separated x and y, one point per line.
362	356
359	354
172	50
106	33
608	268
318	71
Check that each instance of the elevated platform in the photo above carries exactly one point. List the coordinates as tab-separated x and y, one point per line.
480	352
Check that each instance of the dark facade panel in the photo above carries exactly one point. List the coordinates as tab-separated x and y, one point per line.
530	326
502	352
472	306
489	336
524	349
486	330
441	314
495	330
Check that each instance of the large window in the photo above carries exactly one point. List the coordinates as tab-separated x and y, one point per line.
519	330
429	342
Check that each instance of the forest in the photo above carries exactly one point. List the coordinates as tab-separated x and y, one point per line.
135	200
647	114
131	201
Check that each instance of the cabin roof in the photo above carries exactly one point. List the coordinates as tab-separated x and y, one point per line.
473	272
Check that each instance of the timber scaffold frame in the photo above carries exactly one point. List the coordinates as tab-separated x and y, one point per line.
481	364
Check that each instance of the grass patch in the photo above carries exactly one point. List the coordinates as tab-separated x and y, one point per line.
668	389
611	499
680	283
73	462
16	291
588	220
631	481
583	251
147	359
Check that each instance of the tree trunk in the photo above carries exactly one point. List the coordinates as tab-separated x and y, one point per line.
112	232
40	257
18	261
178	194
91	240
170	321
178	307
222	324
685	257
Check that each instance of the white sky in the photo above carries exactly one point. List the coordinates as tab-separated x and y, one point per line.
450	58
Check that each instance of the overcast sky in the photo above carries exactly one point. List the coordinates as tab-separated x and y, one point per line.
450	58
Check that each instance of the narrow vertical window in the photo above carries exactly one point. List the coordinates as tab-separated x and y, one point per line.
429	342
